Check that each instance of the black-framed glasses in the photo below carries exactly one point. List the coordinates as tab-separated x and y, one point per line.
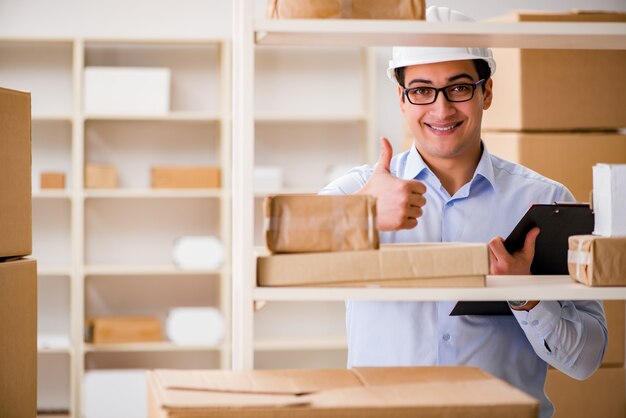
453	93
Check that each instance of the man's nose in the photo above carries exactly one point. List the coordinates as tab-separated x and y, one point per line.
442	108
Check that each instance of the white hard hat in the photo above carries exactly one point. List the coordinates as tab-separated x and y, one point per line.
404	56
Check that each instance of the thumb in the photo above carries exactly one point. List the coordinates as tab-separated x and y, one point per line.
386	152
529	242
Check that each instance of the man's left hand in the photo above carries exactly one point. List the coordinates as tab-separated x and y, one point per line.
503	263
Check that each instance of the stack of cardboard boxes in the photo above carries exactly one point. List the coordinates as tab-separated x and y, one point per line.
559	113
18	276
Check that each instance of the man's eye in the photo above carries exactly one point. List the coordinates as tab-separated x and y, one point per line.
421	91
461	88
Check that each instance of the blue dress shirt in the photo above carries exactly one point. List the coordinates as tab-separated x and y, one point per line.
571	336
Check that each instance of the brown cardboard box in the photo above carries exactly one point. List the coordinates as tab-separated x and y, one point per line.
450	392
352	9
565	157
597	261
394	265
537	89
312	223
615	313
52	180
105	330
185	177
601	395
15	180
18	338
100	176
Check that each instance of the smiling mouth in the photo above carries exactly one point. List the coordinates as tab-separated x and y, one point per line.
446	128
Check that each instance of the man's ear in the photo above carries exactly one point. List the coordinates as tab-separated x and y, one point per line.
488	94
402	98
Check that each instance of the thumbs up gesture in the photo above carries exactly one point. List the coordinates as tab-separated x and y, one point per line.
398	202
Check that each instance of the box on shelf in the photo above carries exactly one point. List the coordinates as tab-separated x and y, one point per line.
350	9
567	157
115	393
601	395
268	177
195	326
609	199
127	91
597	261
18	338
15	174
537	89
615	312
394	265
185	177
364	392
100	176
52	180
313	223
105	330
198	252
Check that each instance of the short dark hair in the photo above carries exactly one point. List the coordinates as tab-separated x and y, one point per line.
482	68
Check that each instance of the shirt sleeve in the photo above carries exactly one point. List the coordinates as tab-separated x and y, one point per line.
349	183
569	335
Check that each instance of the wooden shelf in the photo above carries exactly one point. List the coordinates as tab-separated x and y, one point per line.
535	35
122	270
285	117
53	271
52	194
171	117
498	288
152	193
51	118
164	346
66	350
293	190
300	344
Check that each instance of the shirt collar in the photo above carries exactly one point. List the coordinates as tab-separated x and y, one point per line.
415	166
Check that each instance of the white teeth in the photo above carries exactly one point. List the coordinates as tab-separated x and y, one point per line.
447	128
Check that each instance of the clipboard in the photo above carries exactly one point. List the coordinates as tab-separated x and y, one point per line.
557	221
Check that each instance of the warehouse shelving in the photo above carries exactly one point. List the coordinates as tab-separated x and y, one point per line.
63	222
250	34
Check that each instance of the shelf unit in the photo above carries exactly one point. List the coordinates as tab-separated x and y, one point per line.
249	34
72	227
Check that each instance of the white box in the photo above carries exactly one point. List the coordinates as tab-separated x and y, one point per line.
116	393
268	178
127	91
609	199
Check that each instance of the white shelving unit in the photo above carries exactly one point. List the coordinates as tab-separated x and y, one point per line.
250	34
97	249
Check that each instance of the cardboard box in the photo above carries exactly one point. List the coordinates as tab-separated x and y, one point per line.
566	157
105	330
312	223
15	172
615	313
18	338
100	176
601	395
127	91
185	177
394	265
537	89
597	261
52	180
450	392
347	9
609	199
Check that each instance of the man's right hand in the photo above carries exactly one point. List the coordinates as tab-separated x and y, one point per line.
398	202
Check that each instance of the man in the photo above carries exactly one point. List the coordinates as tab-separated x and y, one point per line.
448	187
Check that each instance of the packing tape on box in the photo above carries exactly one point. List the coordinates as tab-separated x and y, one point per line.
198	252
579	257
195	325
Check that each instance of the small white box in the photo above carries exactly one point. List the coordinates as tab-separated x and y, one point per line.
609	199
127	91
268	178
115	393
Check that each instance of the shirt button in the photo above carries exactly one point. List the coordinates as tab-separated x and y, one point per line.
524	323
450	204
446	337
535	322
